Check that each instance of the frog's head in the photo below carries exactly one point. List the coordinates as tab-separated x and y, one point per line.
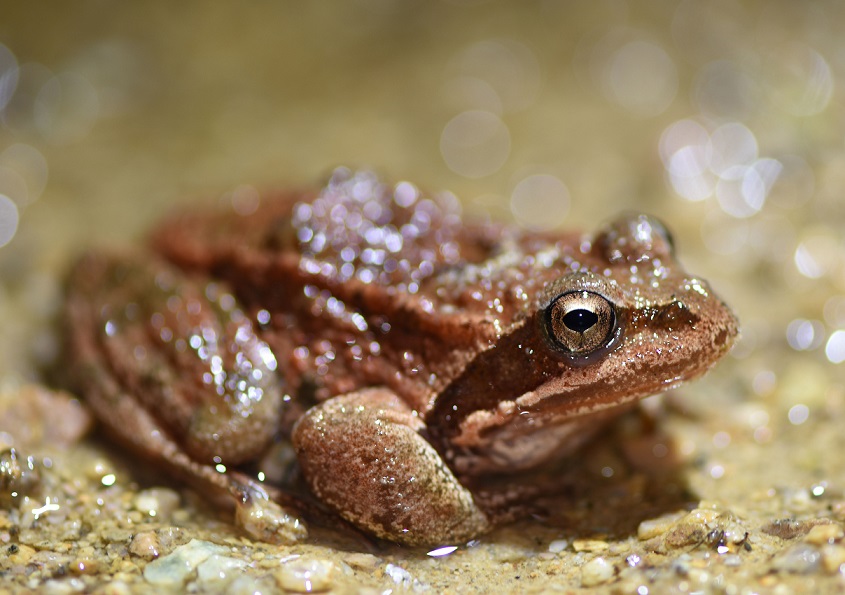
613	320
630	322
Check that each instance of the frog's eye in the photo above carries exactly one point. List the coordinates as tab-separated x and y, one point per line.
581	322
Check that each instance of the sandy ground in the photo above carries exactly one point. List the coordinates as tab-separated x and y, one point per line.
723	118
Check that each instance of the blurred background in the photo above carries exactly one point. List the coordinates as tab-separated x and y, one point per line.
724	118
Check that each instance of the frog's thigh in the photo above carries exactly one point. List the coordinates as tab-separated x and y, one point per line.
255	512
362	454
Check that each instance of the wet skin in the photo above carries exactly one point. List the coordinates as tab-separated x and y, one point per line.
403	352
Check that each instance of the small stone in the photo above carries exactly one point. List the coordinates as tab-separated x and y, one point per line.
145	545
19	553
157	502
399	575
180	566
19	476
219	568
789	528
589	545
62	587
692	529
654	527
596	572
362	561
248	585
558	545
305	575
171	537
113	587
115	535
798	559
85	566
833	558
823	534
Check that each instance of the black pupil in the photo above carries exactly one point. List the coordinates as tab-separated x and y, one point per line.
580	320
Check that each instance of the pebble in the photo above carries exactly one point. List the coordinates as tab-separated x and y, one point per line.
305	575
798	559
62	586
145	545
221	569
85	566
788	528
113	587
180	566
248	585
824	534
20	553
558	545
833	558
596	572
589	545
362	561
399	575
654	527
19	476
157	502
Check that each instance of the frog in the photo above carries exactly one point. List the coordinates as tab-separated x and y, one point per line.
401	350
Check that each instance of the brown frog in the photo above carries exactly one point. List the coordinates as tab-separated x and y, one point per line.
403	352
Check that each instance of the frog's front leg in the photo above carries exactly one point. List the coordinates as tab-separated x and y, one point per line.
363	455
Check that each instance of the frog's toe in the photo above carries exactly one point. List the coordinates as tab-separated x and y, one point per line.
263	519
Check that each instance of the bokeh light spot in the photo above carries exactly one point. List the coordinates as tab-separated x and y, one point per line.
8	75
540	201
803	335
475	143
507	68
8	219
642	78
834	350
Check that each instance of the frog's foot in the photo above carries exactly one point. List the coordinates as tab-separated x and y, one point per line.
264	519
362	454
257	513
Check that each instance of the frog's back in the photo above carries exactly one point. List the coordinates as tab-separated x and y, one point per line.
360	283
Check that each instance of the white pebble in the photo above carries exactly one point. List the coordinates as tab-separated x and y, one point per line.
595	572
157	502
305	575
219	568
179	567
558	545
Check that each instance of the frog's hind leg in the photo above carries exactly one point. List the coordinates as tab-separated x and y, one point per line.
363	455
100	362
257	507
